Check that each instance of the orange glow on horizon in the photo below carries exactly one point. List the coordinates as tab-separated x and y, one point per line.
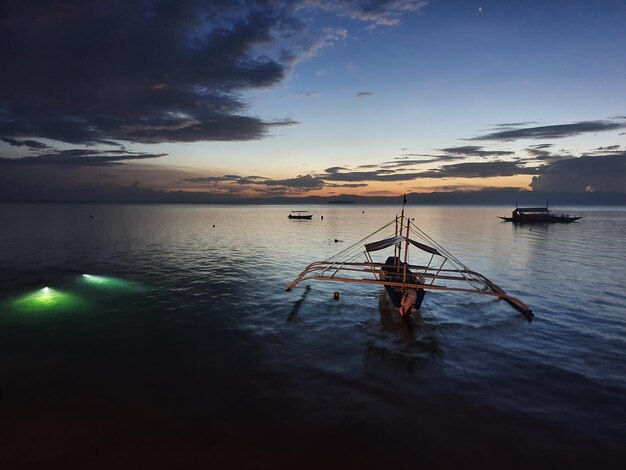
427	185
171	179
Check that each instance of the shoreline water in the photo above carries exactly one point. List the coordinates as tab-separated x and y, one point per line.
194	356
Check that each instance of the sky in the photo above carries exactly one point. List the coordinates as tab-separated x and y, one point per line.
311	97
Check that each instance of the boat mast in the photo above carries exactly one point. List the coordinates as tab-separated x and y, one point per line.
395	248
400	233
406	252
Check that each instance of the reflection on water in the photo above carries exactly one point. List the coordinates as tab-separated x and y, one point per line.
298	303
188	352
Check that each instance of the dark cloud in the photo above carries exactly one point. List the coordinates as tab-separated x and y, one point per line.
541	154
212	179
343	174
397	170
31	144
553	132
139	70
79	157
298	184
608	148
480	170
241	180
428	156
102	182
509	125
461	187
346	185
364	94
335	169
307	182
586	173
154	71
451	153
252	180
475	151
410	162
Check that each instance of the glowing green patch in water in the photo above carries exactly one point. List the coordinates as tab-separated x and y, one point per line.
47	300
109	282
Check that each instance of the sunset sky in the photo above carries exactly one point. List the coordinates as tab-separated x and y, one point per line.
255	98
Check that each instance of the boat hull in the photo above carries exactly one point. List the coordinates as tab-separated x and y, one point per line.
541	220
300	217
393	271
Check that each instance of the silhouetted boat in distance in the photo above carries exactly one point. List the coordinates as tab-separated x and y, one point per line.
538	215
302	215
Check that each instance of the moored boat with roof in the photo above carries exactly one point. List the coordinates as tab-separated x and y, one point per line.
301	215
538	215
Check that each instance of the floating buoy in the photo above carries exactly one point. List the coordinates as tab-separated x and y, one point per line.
336	295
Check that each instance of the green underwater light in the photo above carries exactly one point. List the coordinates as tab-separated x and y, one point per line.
47	300
109	282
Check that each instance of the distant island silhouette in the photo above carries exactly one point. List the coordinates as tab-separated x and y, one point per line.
491	196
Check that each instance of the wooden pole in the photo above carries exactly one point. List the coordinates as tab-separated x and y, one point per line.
515	302
406	250
401	226
395	248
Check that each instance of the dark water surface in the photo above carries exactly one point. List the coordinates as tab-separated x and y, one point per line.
184	350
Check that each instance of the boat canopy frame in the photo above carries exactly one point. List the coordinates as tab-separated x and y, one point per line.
441	272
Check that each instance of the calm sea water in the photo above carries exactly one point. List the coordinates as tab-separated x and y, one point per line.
183	349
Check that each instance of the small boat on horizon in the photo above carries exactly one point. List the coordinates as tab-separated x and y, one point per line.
301	215
405	278
538	215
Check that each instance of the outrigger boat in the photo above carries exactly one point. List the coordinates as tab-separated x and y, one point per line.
538	215
301	215
406	280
